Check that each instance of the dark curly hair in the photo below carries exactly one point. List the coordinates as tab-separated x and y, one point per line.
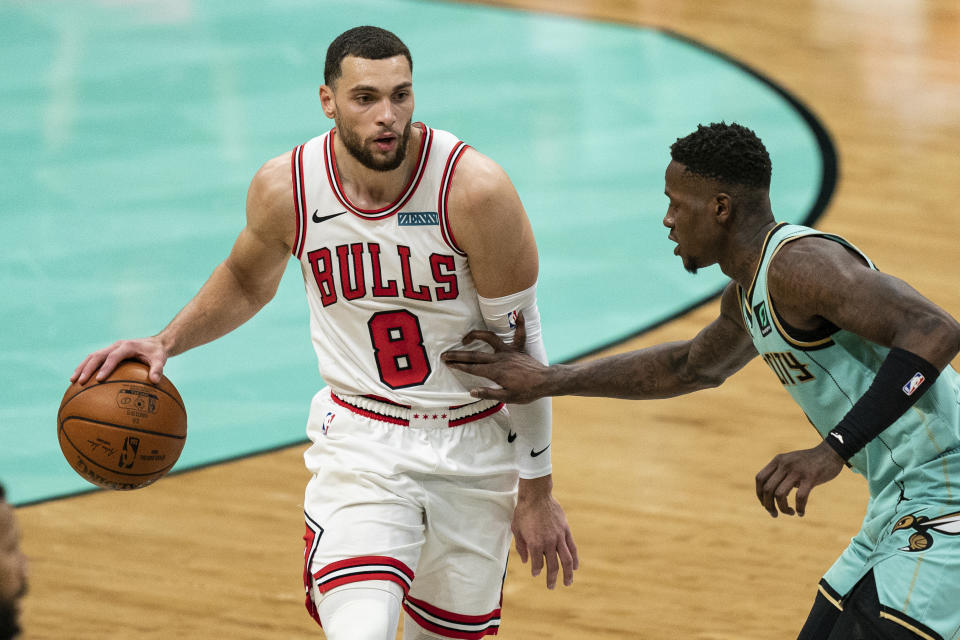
729	153
3	493
372	43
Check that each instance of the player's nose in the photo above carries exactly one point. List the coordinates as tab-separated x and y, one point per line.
386	114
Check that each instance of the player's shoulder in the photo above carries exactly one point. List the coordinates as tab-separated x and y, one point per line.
272	185
274	174
480	176
810	265
483	200
812	254
270	201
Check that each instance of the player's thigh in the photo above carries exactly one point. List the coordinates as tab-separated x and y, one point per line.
362	526
459	581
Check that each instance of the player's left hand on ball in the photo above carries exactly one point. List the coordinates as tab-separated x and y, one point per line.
542	536
802	470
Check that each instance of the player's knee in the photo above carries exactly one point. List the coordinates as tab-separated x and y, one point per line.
362	613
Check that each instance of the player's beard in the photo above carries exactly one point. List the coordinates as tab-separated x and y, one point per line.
691	264
354	144
9	626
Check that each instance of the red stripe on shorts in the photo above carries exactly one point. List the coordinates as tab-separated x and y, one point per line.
477	416
369	414
483	625
363	568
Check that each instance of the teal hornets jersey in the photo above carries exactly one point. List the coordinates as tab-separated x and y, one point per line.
827	373
910	537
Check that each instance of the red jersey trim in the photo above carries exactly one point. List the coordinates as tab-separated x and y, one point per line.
333	177
448	170
299	200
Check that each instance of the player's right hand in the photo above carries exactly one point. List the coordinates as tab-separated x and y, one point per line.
149	351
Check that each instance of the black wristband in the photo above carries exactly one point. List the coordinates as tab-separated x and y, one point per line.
902	378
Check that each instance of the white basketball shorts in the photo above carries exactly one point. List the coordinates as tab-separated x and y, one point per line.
419	497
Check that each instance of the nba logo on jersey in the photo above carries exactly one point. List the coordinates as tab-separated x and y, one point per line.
327	421
512	318
913	384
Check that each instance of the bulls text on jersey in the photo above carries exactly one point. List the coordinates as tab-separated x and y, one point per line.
348	264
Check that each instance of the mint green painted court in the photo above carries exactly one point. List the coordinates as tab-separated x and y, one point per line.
130	134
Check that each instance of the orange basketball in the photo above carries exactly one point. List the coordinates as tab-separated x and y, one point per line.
124	432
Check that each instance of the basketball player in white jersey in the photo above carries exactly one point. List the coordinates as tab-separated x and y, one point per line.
407	239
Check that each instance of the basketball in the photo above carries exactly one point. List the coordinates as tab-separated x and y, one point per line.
124	432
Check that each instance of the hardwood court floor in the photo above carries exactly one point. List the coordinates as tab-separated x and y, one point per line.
660	494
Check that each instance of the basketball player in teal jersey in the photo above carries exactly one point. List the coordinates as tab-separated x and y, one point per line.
864	355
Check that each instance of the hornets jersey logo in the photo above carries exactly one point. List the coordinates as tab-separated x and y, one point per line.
922	539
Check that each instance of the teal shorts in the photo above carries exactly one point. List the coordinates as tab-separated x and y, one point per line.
913	546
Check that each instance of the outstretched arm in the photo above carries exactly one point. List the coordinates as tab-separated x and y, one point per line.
239	287
670	369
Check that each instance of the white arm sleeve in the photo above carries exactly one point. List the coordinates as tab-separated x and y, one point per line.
533	421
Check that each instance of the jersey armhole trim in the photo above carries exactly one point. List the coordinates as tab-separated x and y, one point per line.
763	253
815	341
445	229
299	200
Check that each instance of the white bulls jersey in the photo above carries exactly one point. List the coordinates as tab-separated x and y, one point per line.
388	290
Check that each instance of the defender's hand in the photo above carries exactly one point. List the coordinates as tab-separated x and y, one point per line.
803	469
518	374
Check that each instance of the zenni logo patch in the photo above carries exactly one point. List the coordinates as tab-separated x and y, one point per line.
418	218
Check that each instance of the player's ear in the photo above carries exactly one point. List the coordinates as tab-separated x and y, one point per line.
327	103
722	207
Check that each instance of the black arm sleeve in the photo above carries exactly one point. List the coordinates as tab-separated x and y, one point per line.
902	378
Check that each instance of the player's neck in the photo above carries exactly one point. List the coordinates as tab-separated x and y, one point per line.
371	189
744	251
